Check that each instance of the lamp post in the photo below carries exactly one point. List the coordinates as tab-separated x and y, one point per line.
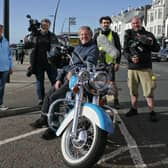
71	21
6	19
62	27
55	15
6	24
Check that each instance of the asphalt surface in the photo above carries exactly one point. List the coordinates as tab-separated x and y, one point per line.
20	93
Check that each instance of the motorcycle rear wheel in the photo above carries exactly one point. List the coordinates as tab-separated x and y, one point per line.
89	146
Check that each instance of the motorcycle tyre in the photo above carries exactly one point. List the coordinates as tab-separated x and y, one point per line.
94	153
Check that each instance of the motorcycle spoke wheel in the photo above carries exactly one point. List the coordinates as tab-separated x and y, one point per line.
87	147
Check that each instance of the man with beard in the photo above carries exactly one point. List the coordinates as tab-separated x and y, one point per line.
138	44
109	46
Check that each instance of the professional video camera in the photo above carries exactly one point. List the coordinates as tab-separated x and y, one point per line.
136	47
34	25
60	55
139	44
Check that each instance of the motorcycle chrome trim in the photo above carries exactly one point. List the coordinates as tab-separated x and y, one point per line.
78	105
50	113
114	113
96	114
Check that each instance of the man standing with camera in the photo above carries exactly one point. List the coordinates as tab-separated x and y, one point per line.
41	42
138	44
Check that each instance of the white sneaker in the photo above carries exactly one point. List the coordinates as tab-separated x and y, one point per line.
3	108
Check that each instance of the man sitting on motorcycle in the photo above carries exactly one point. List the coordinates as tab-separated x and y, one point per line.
88	51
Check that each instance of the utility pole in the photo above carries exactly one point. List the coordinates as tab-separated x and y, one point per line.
6	19
6	24
55	15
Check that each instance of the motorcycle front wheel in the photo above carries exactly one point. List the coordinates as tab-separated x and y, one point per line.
86	149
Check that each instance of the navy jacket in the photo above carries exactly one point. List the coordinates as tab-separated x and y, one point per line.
89	52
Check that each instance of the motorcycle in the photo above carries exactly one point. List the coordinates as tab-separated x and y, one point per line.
84	121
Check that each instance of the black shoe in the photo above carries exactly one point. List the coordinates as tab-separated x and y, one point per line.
131	112
153	116
48	134
116	104
39	123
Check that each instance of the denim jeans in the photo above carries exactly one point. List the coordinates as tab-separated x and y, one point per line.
3	79
40	77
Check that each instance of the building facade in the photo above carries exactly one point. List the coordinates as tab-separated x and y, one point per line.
123	21
154	17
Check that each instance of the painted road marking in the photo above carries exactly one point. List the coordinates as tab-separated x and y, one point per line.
131	145
123	149
9	140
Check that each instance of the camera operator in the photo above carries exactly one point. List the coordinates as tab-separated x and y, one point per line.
40	41
138	44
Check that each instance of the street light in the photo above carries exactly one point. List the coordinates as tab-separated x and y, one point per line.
6	19
6	24
62	27
72	21
55	15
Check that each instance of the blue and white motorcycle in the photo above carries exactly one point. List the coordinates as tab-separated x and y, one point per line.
85	123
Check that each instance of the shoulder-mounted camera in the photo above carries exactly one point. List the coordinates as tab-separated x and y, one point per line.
34	25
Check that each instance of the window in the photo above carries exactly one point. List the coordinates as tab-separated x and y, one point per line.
160	13
154	29
155	14
159	29
151	17
151	29
119	28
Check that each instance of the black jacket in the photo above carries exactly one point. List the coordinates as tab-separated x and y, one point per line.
139	47
116	42
40	44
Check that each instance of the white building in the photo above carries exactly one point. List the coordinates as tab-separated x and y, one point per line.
156	18
123	21
166	28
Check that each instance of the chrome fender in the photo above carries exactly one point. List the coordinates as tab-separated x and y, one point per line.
93	112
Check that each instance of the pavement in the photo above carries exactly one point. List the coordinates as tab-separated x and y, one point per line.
20	93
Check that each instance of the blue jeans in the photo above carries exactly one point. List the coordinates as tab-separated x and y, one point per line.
3	79
40	77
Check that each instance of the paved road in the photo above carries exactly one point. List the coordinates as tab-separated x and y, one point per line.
137	142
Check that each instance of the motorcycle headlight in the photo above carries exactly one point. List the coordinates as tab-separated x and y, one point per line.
99	81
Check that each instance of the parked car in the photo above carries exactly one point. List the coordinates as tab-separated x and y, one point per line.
155	56
163	54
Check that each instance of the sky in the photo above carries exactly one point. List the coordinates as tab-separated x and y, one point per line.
86	12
